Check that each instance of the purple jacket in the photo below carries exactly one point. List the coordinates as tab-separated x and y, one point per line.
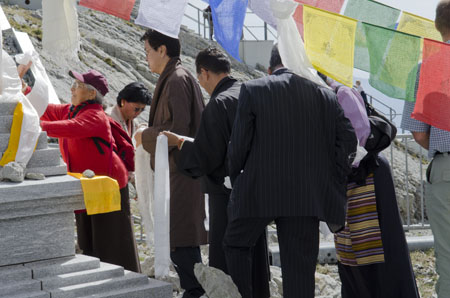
355	110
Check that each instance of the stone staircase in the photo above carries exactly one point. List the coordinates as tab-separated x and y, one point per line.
77	276
45	160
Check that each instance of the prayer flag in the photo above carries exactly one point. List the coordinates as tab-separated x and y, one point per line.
394	59
290	43
60	28
433	97
373	13
262	9
329	5
162	16
228	18
118	8
25	127
329	42
419	26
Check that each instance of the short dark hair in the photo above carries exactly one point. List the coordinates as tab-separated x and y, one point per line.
442	20
134	92
213	59
275	58
156	39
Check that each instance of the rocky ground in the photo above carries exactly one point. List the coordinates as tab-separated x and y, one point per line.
112	46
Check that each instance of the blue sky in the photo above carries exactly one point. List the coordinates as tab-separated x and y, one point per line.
424	8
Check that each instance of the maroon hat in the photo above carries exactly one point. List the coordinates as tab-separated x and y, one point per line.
93	78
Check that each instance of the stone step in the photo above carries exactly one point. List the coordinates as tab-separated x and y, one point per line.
154	289
22	287
130	280
7	108
5	124
48	268
45	158
41	144
14	273
61	169
106	271
39	294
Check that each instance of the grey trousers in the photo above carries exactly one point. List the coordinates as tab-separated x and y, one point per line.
438	210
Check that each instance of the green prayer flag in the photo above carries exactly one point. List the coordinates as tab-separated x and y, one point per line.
373	13
394	60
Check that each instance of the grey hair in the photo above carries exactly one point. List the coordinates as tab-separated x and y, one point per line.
98	96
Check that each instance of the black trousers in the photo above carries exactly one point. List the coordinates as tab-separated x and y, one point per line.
218	221
184	259
110	236
299	246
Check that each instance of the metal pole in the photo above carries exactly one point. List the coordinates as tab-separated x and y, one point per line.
422	207
408	221
392	148
198	21
265	31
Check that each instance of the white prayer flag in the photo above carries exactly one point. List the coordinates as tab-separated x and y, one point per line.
60	28
163	16
144	187
161	212
290	43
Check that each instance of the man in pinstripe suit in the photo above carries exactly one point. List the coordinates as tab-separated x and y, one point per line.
290	153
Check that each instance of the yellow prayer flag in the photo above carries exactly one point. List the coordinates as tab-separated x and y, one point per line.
14	137
419	26
101	193
330	43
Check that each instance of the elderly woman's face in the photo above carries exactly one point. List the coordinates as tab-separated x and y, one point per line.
81	93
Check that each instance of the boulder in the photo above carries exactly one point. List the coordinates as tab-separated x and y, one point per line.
215	282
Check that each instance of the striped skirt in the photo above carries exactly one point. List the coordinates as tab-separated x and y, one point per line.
360	242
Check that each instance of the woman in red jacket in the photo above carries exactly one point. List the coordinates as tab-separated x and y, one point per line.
84	133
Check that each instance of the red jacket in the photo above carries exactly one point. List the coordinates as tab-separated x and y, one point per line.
76	142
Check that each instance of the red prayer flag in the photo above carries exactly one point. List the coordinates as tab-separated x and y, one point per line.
118	8
433	97
329	5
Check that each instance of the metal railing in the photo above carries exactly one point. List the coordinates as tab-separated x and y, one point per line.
196	15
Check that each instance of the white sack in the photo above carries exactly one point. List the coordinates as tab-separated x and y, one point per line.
290	43
161	211
60	28
144	187
163	16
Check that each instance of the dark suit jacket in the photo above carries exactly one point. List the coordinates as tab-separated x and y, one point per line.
206	155
289	150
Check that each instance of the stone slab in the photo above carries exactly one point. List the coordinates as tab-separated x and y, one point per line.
14	273
49	171
39	294
52	187
22	287
130	280
46	268
4	139
45	158
7	108
105	271
5	124
32	238
154	289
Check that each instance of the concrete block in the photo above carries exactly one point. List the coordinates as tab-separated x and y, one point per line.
49	171
53	267
22	287
14	273
42	141
105	271
129	280
4	140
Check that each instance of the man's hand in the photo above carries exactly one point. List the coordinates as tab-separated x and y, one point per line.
172	138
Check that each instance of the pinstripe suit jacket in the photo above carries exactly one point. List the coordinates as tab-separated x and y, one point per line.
289	150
